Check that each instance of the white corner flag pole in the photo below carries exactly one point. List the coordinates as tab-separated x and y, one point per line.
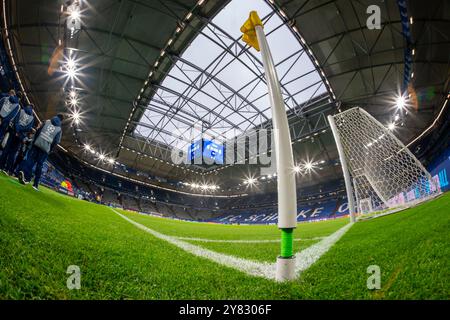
287	196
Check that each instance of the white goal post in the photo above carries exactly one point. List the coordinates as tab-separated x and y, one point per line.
379	171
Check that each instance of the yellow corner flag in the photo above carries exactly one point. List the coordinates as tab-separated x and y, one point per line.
248	29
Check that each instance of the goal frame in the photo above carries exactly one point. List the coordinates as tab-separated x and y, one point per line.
350	180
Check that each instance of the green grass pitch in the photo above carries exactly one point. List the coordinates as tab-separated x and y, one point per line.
42	233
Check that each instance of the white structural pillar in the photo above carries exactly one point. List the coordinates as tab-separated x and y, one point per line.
348	181
287	195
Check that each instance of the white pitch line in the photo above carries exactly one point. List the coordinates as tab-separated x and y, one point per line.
259	269
241	241
304	259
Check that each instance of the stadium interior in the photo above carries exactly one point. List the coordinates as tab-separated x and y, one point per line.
363	69
142	81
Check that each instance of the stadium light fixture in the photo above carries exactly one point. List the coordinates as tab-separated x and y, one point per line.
309	165
391	126
87	147
76	118
400	102
297	169
71	73
75	14
250	181
71	64
74	102
73	94
110	160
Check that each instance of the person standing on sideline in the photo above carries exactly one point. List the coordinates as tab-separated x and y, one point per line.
7	94
22	124
46	138
24	148
9	108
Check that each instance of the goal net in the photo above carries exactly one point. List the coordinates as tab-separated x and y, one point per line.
381	172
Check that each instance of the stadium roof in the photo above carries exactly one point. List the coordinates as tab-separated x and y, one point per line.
132	55
216	88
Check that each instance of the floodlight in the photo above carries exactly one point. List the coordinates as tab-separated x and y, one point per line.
400	102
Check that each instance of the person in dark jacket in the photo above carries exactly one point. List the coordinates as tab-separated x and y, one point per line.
47	137
26	145
11	92
22	125
9	109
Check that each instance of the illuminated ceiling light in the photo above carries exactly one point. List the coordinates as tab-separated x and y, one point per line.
397	116
72	94
413	51
101	156
411	21
189	15
87	147
297	169
75	14
110	160
200	2
250	181
400	102
391	126
71	63
76	117
71	73
74	102
309	166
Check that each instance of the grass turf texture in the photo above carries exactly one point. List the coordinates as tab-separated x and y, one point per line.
179	228
44	234
262	252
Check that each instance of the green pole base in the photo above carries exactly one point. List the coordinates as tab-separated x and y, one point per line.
287	242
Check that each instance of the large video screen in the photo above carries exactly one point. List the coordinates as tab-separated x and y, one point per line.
207	153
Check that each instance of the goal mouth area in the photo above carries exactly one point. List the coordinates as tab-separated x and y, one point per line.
396	209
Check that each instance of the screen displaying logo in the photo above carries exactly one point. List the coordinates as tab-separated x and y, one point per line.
208	152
